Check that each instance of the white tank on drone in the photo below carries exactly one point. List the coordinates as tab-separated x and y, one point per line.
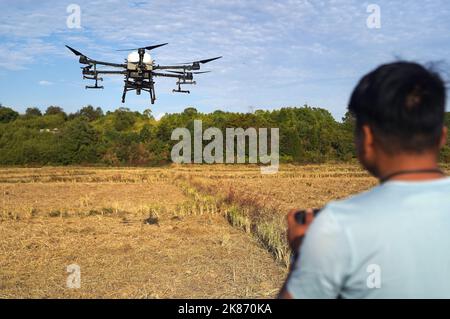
133	60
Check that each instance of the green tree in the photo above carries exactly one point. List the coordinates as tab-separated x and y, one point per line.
78	143
123	137
124	119
148	114
7	114
90	113
190	111
33	111
55	110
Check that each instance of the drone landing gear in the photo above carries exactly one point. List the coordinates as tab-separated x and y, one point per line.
179	90
124	94
94	87
95	77
152	93
139	86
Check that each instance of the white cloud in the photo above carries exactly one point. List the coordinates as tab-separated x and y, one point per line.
270	48
45	83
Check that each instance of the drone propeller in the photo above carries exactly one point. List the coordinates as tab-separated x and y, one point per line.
179	72
203	61
78	53
149	48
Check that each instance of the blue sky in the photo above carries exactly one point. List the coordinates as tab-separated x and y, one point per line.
283	53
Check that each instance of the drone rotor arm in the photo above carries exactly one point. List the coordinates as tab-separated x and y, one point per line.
111	72
173	67
179	77
115	65
86	60
179	72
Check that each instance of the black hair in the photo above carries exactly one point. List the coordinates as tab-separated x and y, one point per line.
404	105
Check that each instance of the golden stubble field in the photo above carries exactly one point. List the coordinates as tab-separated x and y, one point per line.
174	232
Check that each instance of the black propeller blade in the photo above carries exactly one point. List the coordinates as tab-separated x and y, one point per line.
149	48
203	61
78	53
208	60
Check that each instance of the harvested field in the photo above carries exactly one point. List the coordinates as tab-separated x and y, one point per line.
131	236
175	232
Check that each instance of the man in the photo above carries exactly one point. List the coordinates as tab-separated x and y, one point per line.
394	240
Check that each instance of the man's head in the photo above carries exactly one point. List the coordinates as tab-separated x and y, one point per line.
399	110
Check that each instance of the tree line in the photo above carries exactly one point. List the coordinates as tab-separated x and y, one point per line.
124	137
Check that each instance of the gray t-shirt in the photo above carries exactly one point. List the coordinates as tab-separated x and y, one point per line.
390	242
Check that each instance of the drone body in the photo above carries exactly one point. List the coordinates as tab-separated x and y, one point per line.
139	71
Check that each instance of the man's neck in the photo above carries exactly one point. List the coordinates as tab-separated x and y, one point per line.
412	165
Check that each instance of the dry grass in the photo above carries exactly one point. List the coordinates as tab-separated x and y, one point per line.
184	231
140	236
193	257
258	203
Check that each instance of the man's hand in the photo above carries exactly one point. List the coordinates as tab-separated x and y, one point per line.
296	232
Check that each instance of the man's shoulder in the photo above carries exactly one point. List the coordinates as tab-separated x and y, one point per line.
354	202
387	197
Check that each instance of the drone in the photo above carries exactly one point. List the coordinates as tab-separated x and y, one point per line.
140	70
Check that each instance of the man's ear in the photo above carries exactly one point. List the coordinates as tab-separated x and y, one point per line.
443	140
368	140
